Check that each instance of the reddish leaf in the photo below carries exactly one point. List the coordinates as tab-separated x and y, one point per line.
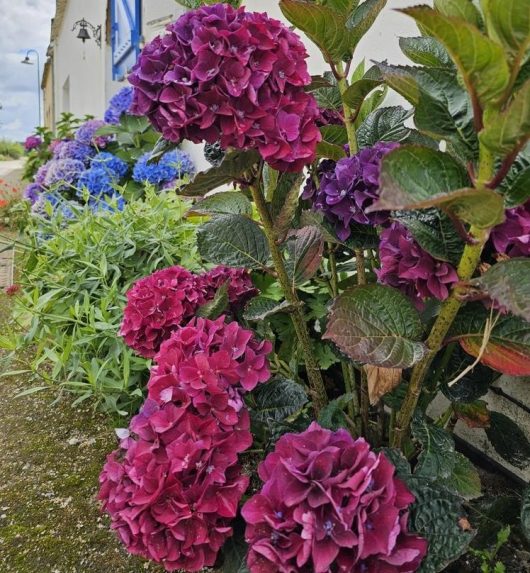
504	357
475	414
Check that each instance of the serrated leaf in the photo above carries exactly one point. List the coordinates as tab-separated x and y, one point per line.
304	248
474	414
435	233
328	96
332	415
525	513
363	18
216	307
277	400
414	177
233	240
286	201
518	191
437	458
384	124
234	165
510	129
426	52
377	325
461	9
224	203
511	21
330	151
509	441
335	134
323	25
465	478
480	60
355	95
507	284
261	307
508	349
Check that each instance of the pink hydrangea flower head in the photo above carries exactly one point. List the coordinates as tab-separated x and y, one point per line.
329	499
156	305
224	74
240	287
407	267
512	237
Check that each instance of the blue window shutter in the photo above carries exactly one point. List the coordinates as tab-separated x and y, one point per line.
126	34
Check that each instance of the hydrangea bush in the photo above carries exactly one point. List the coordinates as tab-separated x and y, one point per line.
368	260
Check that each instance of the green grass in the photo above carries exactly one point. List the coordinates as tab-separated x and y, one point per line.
10	150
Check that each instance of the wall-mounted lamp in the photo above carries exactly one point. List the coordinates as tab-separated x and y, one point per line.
28	61
84	33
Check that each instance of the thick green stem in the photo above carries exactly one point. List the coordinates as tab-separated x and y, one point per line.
468	264
316	383
348	115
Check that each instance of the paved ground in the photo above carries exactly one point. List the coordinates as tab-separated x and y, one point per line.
11	170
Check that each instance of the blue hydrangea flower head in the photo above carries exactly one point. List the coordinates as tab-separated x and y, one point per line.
118	105
116	167
110	203
97	180
73	150
180	161
172	165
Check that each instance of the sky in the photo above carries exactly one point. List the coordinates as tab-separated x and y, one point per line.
24	25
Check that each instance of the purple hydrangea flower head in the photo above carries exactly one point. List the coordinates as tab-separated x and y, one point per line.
32	142
407	267
119	104
97	180
171	166
346	191
40	176
512	237
63	172
73	150
115	166
330	503
86	133
32	192
227	75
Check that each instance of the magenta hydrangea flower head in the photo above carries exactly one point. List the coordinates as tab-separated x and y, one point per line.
156	305
32	142
224	74
240	287
329	503
346	191
512	237
407	267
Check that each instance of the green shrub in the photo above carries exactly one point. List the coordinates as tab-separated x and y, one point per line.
74	294
10	150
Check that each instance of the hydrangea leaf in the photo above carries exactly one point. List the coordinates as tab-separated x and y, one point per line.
381	381
384	124
415	177
518	191
234	165
345	6
332	415
510	129
261	307
376	325
481	61
217	306
509	441
363	18
235	551
233	240
435	233
507	284
326	92
474	414
330	151
285	201
336	134
224	203
304	248
525	513
508	348
277	400
323	25
509	20
461	9
438	516
426	52
357	93
465	478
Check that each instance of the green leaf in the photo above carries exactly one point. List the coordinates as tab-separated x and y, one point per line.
437	458
384	124
480	60
355	95
518	191
323	25
336	134
435	233
474	414
363	18
328	96
507	284
30	391
330	151
510	129
345	6
377	325
224	203
304	248
525	513
509	441
233	240
277	400
461	9
285	201
332	415
508	349
414	177
235	551
426	52
234	165
510	19
216	307
261	307
436	516
465	478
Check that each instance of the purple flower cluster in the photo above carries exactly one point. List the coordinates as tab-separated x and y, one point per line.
32	192
173	487
162	302
63	173
119	104
86	133
329	503
407	267
71	149
221	74
512	237
32	142
347	188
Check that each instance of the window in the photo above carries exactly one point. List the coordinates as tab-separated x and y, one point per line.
126	34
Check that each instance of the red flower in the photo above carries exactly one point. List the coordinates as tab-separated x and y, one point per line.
12	290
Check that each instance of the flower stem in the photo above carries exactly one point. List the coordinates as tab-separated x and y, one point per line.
316	383
348	115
